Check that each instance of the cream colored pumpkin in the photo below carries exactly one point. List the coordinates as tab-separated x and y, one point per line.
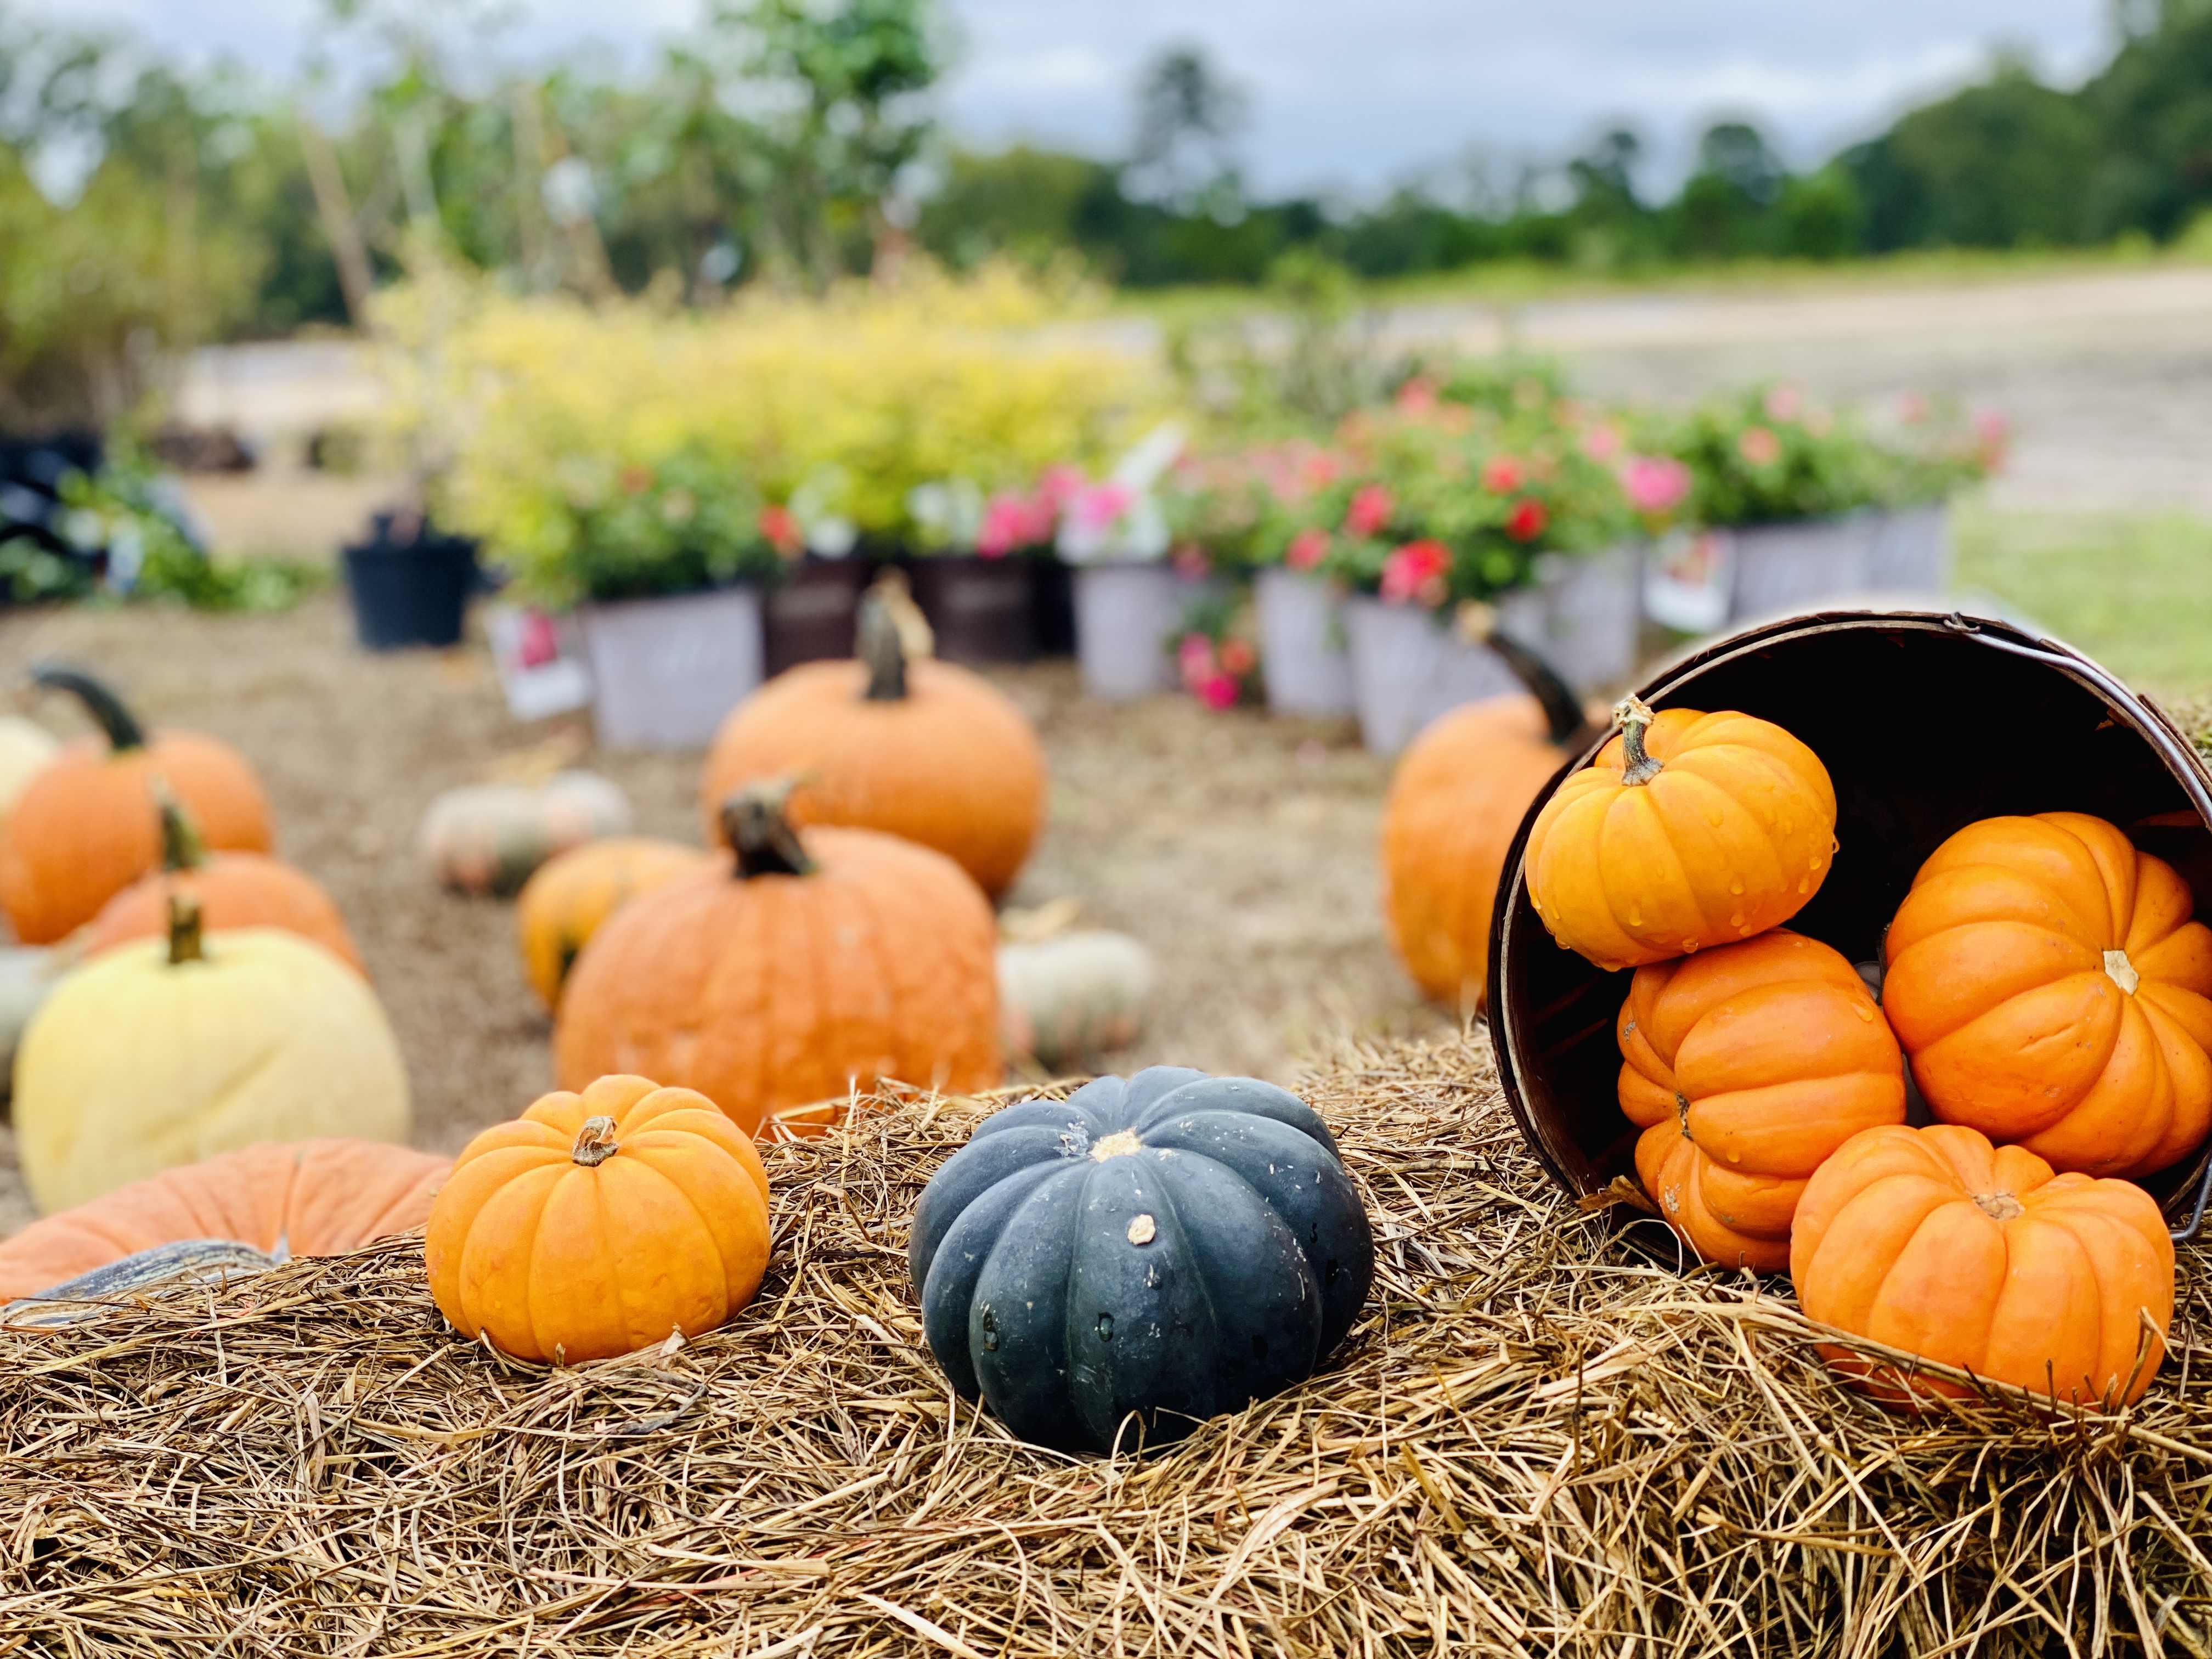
25	747
135	1063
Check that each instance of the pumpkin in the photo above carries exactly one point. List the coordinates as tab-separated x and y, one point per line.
157	1270
488	838
1172	1246
25	748
1080	993
1745	1067
596	1224
28	972
809	963
1978	1256
1455	803
1686	831
163	1052
562	905
921	749
299	1198
235	889
83	828
2048	982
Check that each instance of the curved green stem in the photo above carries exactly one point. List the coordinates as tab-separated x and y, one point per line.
106	709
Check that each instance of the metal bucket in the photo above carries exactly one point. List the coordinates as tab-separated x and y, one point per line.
1926	721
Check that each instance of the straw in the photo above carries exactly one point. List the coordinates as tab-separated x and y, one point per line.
1534	1442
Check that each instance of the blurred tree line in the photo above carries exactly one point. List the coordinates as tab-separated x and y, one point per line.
144	209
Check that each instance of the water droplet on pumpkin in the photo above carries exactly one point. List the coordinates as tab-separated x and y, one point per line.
1737	921
1804	883
1735	887
1105	1327
1735	1157
1865	1013
1689	946
1635	915
1715	819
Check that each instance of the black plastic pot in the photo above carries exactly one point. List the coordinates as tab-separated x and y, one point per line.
411	584
982	610
1052	586
1926	721
810	617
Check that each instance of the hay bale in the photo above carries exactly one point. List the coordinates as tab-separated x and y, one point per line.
1533	1442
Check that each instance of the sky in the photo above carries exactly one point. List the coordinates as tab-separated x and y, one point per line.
1350	96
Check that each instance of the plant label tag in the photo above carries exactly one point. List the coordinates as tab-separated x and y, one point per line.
540	657
1689	580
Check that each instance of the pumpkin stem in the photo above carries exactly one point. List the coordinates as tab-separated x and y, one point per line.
185	944
1634	715
181	846
876	641
2121	972
121	725
595	1143
755	825
1563	710
2000	1206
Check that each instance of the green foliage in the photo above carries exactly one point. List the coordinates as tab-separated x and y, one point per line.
687	524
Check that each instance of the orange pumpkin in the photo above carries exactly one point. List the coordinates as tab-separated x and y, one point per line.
2048	982
563	904
596	1224
1455	803
301	1198
922	750
1745	1067
1935	1242
235	889
805	968
1687	830
83	828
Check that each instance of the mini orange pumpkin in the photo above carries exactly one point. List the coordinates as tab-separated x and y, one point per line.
1455	803
1745	1067
83	828
922	750
299	1198
1687	830
784	981
235	889
563	903
2048	984
1973	1255
596	1224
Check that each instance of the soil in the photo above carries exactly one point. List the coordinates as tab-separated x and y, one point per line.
1239	849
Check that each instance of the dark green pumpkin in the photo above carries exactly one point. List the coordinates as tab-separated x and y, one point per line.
1174	1246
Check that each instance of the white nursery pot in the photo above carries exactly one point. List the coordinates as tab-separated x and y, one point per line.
1125	615
1796	564
1593	610
666	671
1304	654
1408	666
1911	550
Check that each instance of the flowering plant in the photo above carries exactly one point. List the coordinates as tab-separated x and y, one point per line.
1218	650
1933	447
634	530
1771	453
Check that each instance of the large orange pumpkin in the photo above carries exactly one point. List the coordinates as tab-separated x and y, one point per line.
2048	984
298	1198
1687	830
84	828
788	976
1455	803
921	749
235	889
596	1224
1978	1256
563	903
1745	1067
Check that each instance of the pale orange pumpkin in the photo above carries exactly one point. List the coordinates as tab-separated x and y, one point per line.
1976	1256
1745	1067
2052	991
1686	831
572	893
596	1224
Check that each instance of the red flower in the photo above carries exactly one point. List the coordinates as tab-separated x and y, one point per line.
1416	571
1501	475
1219	692
636	478
782	531
1418	394
1307	549
1371	510
1238	658
1527	521
1760	446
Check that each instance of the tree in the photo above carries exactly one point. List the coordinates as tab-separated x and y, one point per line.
1188	121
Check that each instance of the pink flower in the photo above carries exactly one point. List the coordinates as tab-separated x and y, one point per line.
1993	434
1307	549
1784	403
1413	568
1418	395
1760	446
1238	658
1527	521
1911	409
1655	484
1219	692
1194	661
1096	506
1501	475
1058	484
1009	522
1603	443
1371	510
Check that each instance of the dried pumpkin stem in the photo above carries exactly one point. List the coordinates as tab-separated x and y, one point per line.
1634	715
755	825
185	945
2000	1206
876	643
119	725
595	1143
181	846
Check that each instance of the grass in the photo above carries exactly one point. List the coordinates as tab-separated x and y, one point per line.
2134	591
